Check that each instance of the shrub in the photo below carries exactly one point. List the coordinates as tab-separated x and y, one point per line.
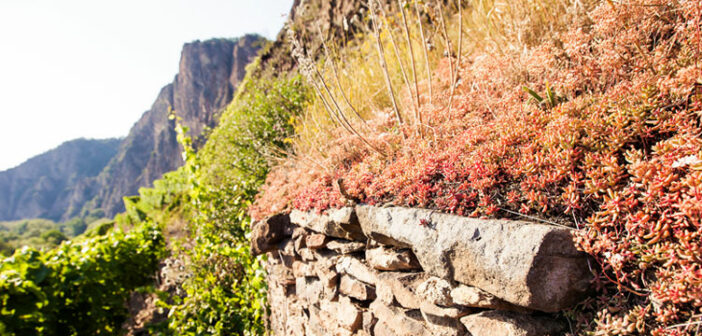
79	288
226	294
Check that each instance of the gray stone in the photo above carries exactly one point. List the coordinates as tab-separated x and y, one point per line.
345	246
356	289
448	312
475	297
309	290
389	259
531	265
400	321
435	291
402	286
355	268
444	326
301	269
501	323
268	233
339	223
315	241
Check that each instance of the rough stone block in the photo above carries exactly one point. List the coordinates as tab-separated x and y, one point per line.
315	241
435	291
267	233
400	286
356	289
444	326
477	298
369	322
400	321
428	308
307	254
309	290
339	223
531	265
354	267
301	269
389	259
501	323
345	246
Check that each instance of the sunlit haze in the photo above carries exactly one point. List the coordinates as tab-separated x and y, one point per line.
86	68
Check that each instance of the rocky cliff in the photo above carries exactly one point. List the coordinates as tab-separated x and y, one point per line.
85	175
208	75
48	184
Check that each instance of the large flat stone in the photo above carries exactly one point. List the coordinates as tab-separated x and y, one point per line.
436	291
500	323
316	241
339	223
531	265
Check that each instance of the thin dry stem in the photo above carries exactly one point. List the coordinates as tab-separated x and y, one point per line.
418	115
381	56
336	78
341	116
448	45
454	80
426	52
399	59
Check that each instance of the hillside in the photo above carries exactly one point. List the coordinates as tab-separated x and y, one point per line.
493	168
47	185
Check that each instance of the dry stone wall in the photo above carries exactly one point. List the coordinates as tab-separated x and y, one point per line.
369	270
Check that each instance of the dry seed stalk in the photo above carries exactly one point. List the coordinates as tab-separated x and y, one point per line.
418	115
341	116
381	55
426	52
397	54
336	78
309	69
448	45
454	80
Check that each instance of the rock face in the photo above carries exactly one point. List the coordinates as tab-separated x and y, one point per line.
530	265
323	281
208	75
61	179
86	175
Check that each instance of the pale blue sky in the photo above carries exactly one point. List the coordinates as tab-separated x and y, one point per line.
90	68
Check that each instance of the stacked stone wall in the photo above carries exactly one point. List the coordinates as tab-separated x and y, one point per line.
368	270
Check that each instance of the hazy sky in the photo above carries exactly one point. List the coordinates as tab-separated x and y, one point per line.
90	68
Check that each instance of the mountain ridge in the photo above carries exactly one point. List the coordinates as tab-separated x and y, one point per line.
208	75
41	186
